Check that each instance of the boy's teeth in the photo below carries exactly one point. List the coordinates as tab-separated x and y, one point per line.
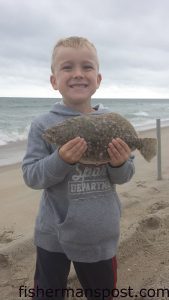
78	85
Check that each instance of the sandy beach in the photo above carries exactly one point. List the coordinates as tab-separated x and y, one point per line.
143	256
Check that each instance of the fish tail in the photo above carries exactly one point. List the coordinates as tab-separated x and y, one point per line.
148	148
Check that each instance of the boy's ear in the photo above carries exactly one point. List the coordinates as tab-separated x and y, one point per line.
53	82
99	79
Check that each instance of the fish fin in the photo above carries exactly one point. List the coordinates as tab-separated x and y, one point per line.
148	148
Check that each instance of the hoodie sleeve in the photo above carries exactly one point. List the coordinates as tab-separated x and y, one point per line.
123	173
41	167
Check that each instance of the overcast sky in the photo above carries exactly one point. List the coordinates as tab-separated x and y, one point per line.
131	37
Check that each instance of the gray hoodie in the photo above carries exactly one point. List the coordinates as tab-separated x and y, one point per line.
79	211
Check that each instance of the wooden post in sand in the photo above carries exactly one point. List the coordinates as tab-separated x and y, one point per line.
158	132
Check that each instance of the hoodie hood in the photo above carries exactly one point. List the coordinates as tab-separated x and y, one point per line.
60	108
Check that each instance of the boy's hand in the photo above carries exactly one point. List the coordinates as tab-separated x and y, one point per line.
119	152
72	151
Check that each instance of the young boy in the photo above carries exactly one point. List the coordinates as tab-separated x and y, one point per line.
79	213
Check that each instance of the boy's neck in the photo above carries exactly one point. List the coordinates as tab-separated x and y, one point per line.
82	107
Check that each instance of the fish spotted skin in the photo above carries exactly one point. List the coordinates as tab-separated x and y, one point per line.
98	131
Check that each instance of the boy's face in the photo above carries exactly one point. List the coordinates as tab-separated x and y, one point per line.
76	74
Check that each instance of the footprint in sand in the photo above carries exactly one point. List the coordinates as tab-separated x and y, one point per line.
3	260
158	206
6	236
125	194
150	222
154	189
141	183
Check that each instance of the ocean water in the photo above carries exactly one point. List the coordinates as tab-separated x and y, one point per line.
16	114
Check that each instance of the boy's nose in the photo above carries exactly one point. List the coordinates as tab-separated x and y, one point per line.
78	73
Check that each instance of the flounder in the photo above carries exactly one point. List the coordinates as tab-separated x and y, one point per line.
98	131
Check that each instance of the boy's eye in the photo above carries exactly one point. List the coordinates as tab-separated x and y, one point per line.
67	67
88	67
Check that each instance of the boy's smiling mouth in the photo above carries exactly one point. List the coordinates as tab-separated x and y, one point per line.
78	85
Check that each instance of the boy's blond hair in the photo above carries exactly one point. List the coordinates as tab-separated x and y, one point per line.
73	42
